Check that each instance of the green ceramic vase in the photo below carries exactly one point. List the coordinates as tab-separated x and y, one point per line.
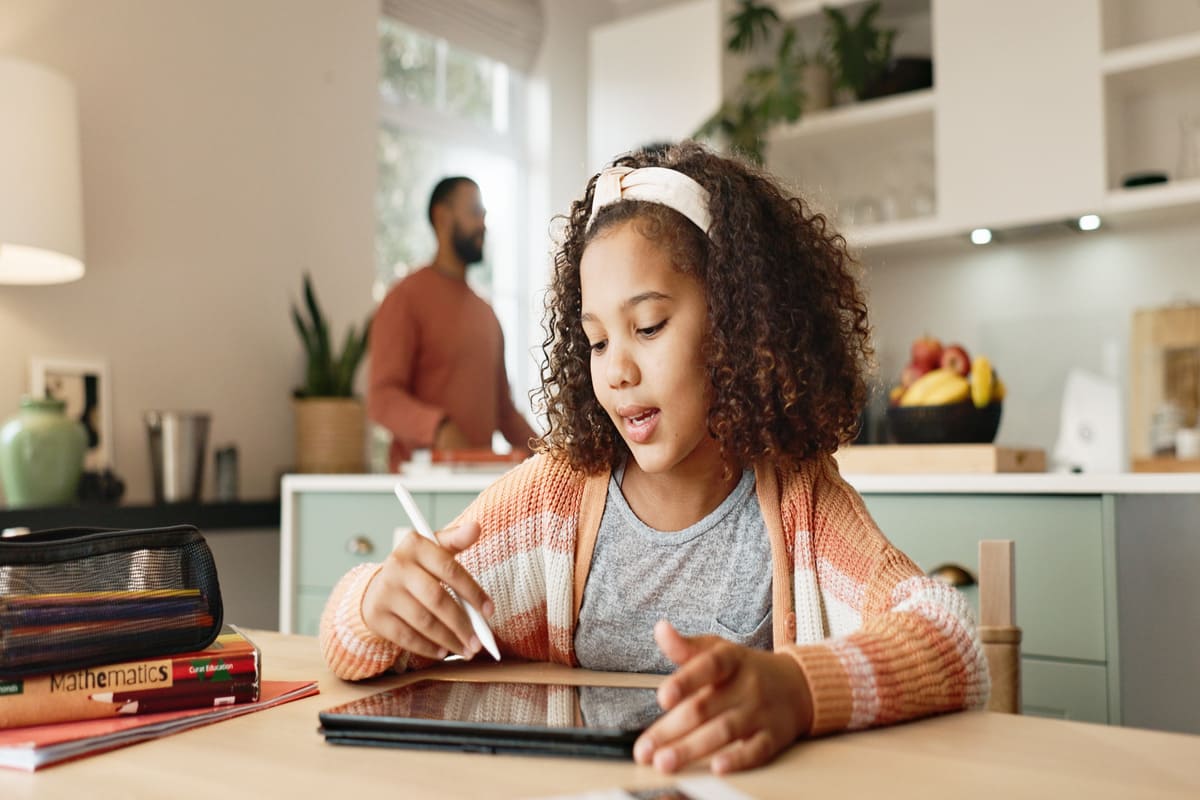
41	454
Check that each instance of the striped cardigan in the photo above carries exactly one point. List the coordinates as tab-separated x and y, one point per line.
877	640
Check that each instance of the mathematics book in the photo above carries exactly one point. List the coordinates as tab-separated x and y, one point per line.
224	673
38	746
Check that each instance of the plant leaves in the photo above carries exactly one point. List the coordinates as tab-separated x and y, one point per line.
750	22
861	52
326	373
318	321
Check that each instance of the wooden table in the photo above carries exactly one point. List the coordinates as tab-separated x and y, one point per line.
278	753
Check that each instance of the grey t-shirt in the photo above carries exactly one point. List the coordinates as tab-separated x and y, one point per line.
711	577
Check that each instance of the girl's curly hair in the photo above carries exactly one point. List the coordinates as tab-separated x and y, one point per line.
787	342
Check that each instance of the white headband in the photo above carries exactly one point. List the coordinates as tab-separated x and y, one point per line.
654	185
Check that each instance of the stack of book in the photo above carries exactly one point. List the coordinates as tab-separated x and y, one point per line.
54	717
225	672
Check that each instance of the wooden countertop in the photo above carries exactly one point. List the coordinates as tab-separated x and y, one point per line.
278	753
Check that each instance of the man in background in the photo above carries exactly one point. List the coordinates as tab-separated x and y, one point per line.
436	369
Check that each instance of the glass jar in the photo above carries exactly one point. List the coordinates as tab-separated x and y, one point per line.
41	454
1164	424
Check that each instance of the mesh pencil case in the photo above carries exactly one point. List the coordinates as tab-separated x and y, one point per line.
76	597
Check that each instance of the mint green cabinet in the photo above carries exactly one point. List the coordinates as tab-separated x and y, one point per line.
339	530
1065	611
1063	690
334	531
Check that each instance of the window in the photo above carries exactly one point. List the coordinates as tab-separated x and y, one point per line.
447	111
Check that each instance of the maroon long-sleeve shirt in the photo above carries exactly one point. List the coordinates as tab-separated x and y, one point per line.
437	352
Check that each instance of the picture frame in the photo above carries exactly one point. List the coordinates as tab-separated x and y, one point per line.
85	387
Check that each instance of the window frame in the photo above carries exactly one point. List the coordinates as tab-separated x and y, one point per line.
510	295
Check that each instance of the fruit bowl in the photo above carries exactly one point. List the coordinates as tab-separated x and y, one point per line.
956	423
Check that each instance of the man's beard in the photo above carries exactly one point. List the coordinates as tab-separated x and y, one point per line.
468	246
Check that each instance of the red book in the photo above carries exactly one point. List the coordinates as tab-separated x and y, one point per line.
190	694
38	746
108	690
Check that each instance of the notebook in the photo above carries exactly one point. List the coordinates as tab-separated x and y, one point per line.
510	718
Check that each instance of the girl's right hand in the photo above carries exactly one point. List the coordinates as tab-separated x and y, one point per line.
407	604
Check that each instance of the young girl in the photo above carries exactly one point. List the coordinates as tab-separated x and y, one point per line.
704	358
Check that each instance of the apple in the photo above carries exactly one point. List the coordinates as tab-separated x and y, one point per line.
910	373
955	357
927	353
895	394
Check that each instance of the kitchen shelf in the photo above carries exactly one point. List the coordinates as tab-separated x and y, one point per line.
797	9
1180	194
205	516
1176	201
881	112
1149	72
899	233
1150	57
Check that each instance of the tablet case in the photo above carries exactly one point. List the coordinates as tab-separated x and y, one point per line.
508	718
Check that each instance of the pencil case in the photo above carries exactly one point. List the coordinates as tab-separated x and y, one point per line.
72	598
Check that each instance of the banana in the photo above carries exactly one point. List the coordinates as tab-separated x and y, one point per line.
937	387
999	392
982	381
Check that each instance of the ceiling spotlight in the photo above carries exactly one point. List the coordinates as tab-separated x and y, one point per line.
981	236
1089	222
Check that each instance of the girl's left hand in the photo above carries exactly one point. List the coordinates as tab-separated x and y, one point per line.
739	705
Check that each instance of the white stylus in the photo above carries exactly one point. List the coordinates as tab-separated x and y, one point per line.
477	621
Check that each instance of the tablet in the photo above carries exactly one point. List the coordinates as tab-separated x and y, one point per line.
512	718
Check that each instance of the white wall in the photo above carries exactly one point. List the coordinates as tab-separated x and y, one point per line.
558	143
227	147
1036	308
653	77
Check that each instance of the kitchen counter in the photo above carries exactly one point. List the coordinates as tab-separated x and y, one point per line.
445	479
431	479
1048	483
207	517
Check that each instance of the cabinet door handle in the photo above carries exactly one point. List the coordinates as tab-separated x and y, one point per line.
360	545
953	575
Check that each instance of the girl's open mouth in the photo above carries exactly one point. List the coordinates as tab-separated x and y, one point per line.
640	427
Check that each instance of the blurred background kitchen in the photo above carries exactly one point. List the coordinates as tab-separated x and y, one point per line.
1020	178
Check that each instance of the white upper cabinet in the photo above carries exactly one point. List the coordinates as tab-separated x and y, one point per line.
1041	110
1151	76
653	77
1020	111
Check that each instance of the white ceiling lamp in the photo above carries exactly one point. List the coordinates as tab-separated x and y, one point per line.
981	236
1089	222
41	193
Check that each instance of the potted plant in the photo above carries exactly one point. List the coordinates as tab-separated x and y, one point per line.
779	89
769	93
862	53
330	420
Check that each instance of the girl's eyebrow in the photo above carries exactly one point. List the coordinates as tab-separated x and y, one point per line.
643	297
630	303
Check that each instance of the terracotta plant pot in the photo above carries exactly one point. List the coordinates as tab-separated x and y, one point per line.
330	434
